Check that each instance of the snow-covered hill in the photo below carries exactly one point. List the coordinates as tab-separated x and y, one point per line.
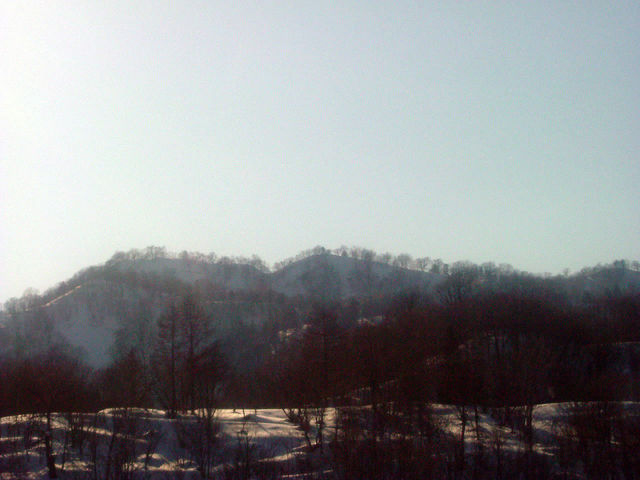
333	276
116	305
326	274
87	318
231	276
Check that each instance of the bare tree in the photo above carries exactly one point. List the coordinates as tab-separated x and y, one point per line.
167	361
183	350
47	383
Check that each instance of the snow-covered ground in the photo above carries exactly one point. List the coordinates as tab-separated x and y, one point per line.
149	445
146	444
160	450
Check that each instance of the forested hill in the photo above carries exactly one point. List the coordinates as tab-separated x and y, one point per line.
467	366
104	310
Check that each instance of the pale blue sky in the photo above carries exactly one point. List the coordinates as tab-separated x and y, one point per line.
487	131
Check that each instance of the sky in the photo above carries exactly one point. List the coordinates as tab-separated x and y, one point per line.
482	131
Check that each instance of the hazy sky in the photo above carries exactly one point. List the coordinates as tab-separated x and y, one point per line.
488	131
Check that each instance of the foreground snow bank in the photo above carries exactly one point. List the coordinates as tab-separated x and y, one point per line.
139	443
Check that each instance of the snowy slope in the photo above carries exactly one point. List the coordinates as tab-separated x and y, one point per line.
341	277
231	276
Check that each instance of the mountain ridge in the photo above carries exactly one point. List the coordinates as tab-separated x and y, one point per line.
116	305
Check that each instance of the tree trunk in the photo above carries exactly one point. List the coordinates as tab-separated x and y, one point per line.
51	459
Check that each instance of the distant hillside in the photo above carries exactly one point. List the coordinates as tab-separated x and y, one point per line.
334	277
231	276
326	275
115	306
595	282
